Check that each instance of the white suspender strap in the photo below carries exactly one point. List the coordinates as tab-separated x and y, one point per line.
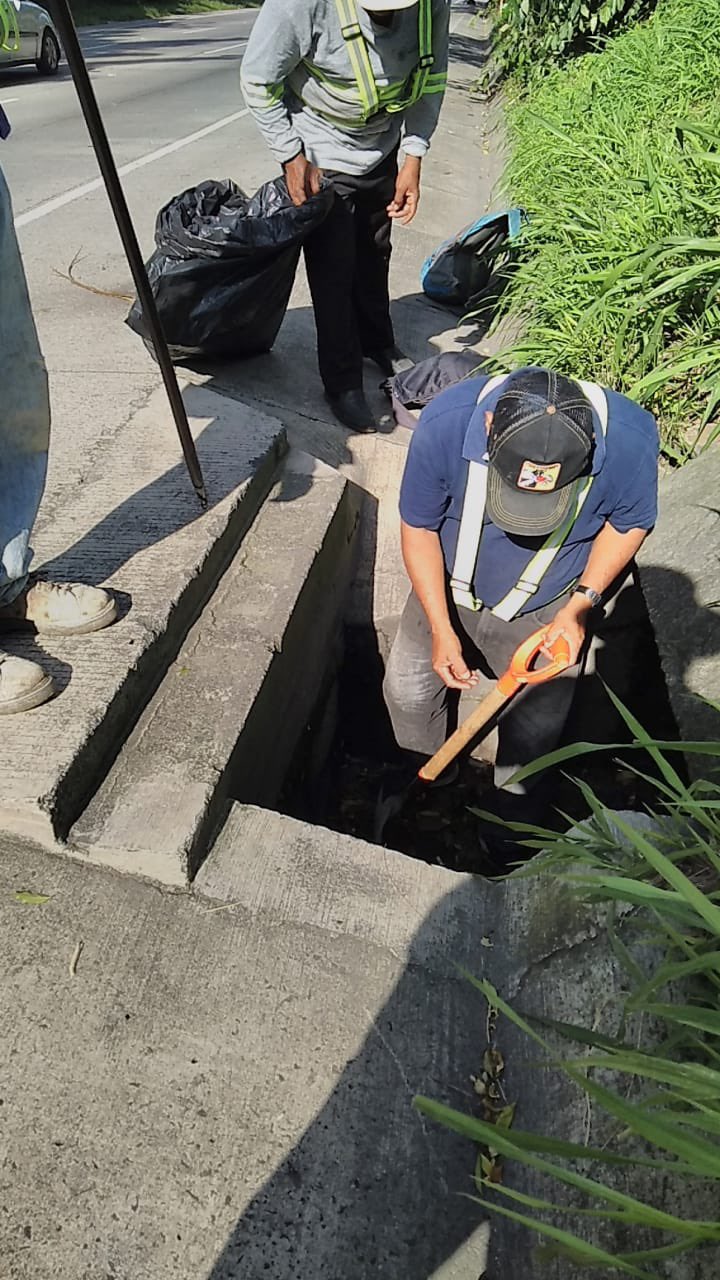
471	521
469	534
599	402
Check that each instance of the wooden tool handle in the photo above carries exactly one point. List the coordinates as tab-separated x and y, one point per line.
483	713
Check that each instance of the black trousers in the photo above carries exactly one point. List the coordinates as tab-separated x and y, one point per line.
348	261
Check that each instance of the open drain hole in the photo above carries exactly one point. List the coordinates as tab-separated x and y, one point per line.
348	754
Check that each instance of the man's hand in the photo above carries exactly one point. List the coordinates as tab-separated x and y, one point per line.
405	203
448	661
303	179
570	622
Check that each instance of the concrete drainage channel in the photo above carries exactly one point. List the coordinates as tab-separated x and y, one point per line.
348	754
229	678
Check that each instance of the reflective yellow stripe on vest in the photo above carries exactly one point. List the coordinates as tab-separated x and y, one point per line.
359	57
471	524
392	98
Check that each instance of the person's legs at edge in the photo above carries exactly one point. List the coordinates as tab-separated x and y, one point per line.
330	263
24	413
24	443
373	248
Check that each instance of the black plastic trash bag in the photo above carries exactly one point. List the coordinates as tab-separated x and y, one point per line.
224	267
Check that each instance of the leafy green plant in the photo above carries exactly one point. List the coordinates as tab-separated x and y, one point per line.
617	163
664	1099
530	35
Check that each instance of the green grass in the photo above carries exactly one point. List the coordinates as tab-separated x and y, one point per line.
616	159
93	13
660	1096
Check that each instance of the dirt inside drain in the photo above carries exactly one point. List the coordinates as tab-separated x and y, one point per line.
338	786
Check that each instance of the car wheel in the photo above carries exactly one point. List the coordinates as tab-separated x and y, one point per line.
49	60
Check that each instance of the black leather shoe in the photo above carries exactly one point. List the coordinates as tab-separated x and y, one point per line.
391	361
352	409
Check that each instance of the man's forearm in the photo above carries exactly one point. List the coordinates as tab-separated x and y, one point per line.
611	553
422	553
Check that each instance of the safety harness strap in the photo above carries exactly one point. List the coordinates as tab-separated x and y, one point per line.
471	526
471	521
395	98
359	56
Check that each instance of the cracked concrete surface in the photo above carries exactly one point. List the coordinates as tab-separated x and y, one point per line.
222	1090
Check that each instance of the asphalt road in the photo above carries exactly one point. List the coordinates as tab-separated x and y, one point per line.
170	96
156	83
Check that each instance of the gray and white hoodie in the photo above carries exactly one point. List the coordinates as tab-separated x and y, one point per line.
273	74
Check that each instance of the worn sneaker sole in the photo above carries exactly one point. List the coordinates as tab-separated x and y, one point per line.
34	697
99	622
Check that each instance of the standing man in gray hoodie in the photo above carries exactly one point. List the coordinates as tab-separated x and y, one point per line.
338	88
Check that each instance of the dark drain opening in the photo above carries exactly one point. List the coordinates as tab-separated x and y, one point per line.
348	754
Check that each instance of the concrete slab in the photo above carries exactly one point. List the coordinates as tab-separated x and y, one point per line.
228	715
135	526
679	578
222	1088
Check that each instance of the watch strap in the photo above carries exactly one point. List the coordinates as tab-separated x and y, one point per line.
593	596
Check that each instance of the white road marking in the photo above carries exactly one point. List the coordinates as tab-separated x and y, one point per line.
77	193
6	100
224	48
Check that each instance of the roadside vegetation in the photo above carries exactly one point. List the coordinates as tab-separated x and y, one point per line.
93	13
648	1175
616	160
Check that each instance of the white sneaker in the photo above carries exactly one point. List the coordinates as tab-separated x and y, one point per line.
58	609
23	685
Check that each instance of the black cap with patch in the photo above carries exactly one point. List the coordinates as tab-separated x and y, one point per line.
540	444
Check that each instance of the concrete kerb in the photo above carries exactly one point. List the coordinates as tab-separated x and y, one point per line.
233	706
135	526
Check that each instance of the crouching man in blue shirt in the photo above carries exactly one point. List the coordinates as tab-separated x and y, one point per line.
525	499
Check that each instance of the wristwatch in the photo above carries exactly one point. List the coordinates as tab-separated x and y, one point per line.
593	596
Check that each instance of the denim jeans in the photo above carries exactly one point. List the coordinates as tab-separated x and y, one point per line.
24	413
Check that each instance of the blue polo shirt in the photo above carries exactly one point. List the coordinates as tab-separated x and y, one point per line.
451	432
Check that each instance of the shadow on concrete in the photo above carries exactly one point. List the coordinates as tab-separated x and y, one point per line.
286	378
688	634
472	51
371	1191
160	509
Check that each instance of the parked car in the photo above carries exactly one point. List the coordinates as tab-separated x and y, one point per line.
34	39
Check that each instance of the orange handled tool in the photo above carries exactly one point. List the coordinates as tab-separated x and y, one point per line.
521	671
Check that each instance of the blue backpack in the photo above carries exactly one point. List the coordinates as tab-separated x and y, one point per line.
458	273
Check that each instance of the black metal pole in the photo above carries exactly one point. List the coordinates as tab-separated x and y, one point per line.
88	102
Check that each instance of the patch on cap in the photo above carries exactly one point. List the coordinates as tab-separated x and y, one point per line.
540	477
